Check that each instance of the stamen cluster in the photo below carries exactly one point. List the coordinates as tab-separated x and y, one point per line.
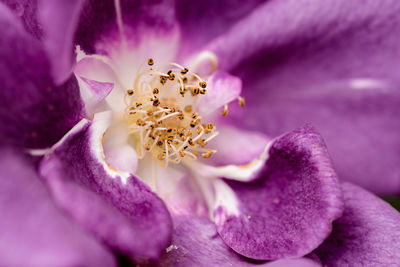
160	109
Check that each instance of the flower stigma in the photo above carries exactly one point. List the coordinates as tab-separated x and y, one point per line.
162	117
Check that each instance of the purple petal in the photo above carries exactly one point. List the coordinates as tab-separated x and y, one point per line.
360	126
59	19
93	93
100	22
201	21
196	243
33	113
289	212
33	231
367	233
117	208
26	10
341	39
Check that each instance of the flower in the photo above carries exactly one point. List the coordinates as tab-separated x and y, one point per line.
85	198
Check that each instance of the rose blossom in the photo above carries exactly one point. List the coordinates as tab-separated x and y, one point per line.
133	156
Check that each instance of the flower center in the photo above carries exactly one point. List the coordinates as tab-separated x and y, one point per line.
162	117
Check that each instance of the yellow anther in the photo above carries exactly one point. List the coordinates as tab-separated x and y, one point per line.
241	101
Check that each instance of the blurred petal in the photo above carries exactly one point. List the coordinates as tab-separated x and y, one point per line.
196	243
113	205
324	41
289	212
367	233
201	21
33	231
27	11
59	19
33	113
359	121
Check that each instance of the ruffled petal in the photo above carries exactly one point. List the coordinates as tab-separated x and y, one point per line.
368	233
195	242
33	231
358	120
33	112
289	212
113	205
59	19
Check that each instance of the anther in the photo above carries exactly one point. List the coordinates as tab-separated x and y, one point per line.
150	62
225	111
188	108
241	101
203	91
184	71
156	91
203	84
207	154
129	92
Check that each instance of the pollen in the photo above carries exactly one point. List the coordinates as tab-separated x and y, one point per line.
162	118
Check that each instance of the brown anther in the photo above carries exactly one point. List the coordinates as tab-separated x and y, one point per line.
181	116
195	91
150	62
147	146
198	130
210	126
172	77
184	79
138	104
129	92
163	79
241	101
225	111
192	124
156	91
195	115
203	91
190	141
181	153
184	71
159	143
169	130
203	84
188	108
169	141
169	72
156	102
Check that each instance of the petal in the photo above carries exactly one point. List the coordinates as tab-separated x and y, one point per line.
59	19
113	205
236	146
201	21
26	10
320	43
358	119
289	212
368	232
93	93
33	112
222	88
196	243
33	231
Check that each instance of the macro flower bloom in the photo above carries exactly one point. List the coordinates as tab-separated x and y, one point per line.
153	133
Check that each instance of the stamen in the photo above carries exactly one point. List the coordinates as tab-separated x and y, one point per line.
163	125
